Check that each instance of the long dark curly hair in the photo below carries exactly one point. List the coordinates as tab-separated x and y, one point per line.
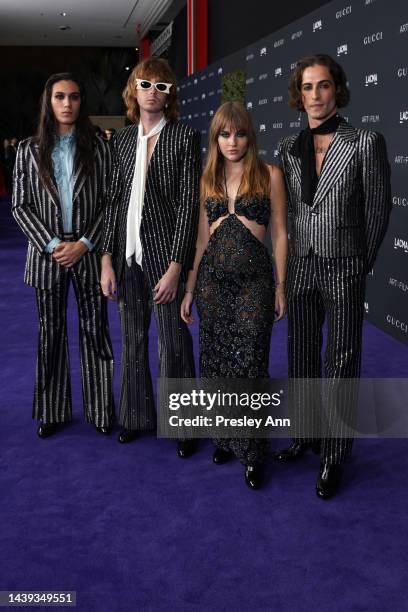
336	71
47	129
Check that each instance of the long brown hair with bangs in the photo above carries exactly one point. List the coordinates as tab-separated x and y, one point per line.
152	67
256	178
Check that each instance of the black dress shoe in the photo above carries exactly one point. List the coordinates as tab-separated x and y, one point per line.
45	430
328	481
296	450
106	430
186	448
127	435
221	456
254	475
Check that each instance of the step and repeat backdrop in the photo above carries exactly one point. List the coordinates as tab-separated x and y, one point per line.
370	40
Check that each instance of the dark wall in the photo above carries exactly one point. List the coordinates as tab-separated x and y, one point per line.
234	24
24	71
177	53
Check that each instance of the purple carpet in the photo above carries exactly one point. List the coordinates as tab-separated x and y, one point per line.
135	528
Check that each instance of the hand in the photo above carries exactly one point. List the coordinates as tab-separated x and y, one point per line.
185	311
108	279
67	254
166	288
280	303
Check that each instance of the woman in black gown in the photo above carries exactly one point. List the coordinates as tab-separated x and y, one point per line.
233	279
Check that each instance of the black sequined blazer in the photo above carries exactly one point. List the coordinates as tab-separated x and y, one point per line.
171	205
352	202
37	209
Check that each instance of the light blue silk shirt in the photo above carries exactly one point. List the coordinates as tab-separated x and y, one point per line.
63	156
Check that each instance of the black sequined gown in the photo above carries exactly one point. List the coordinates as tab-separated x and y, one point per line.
235	303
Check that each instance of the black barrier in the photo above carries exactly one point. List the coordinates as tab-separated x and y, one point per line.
370	40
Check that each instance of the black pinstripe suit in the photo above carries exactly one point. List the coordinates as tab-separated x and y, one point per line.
37	209
333	244
168	233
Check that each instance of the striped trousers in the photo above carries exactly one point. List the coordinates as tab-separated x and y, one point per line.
52	395
176	359
320	287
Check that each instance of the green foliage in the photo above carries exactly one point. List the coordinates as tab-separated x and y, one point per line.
233	87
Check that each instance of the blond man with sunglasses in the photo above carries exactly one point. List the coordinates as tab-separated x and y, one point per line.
150	226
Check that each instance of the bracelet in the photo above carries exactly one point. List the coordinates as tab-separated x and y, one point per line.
188	290
279	283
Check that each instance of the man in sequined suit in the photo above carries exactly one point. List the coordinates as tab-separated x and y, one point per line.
338	181
150	229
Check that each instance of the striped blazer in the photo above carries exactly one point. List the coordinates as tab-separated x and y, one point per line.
352	202
37	209
169	223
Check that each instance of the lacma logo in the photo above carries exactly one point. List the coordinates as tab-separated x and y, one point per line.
318	25
403	116
262	127
371	79
373	38
400	243
263	51
342	50
278	71
345	11
249	105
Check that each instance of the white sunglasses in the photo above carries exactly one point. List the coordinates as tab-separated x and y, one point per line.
161	87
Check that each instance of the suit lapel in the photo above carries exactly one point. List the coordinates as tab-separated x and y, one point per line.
79	179
129	154
50	186
296	167
339	154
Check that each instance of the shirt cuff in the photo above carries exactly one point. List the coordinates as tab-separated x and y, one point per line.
87	242
52	244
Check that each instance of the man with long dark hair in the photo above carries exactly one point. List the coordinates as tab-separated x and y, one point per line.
338	180
60	181
150	230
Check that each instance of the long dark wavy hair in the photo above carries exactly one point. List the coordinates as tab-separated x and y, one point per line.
336	71
47	129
